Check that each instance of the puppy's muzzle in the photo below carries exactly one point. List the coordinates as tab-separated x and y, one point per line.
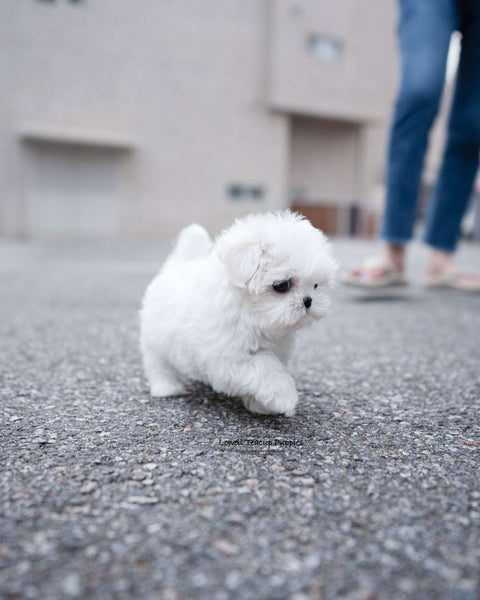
307	302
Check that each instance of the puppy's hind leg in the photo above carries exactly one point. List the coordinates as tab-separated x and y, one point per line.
162	379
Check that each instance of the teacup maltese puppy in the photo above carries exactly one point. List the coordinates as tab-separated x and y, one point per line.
226	312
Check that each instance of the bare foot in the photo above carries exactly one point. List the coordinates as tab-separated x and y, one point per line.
394	254
441	262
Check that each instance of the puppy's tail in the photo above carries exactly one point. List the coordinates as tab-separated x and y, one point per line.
192	242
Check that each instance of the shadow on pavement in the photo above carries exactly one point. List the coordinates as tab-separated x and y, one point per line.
382	297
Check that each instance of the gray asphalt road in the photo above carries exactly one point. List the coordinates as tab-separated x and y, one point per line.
370	492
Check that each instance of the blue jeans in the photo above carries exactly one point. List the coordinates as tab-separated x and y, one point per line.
425	28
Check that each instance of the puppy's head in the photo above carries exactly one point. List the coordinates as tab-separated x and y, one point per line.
282	267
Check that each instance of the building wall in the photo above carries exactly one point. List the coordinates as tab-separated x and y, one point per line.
179	82
323	164
68	184
340	103
193	96
333	59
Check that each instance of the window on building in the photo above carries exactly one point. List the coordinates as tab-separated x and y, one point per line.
256	193
325	47
240	192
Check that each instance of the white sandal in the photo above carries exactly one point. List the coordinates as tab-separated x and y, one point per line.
387	275
455	279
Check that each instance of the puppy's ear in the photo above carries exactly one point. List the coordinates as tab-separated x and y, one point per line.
245	264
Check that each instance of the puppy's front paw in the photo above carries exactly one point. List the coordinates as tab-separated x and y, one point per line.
256	407
286	398
276	397
291	411
163	389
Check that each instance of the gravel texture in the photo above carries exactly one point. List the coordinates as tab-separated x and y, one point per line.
372	491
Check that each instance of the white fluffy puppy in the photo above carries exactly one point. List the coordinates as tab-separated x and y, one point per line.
225	313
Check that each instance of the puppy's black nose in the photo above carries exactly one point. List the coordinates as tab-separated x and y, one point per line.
307	302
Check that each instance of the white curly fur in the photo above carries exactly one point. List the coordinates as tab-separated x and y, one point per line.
212	315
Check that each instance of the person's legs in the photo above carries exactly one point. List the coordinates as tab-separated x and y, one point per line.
425	28
424	32
455	182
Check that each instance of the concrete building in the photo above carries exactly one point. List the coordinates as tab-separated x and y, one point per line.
135	118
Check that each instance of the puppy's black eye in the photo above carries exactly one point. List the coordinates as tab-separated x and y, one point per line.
315	286
282	286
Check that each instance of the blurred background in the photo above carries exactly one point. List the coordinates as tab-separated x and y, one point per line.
133	119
